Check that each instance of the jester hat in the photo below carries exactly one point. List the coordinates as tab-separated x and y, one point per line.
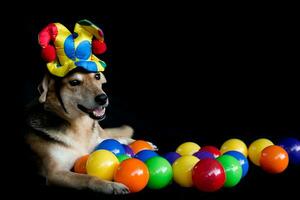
64	51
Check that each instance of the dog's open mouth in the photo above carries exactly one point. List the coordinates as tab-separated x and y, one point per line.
97	113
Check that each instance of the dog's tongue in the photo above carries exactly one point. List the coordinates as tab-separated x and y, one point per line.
98	112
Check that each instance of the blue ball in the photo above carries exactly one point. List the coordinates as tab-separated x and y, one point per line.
203	154
171	156
292	147
111	145
242	159
128	150
144	155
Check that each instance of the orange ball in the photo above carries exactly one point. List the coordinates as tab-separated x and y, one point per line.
274	159
80	165
133	173
140	145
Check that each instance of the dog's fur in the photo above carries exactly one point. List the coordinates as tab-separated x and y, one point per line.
61	131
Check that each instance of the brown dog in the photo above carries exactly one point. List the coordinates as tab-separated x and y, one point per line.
64	126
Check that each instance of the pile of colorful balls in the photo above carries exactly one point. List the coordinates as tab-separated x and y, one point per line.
206	168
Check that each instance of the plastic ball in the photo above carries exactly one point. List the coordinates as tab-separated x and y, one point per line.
144	155
232	168
187	148
122	157
214	150
133	173
203	154
208	175
128	150
160	171
274	159
171	157
111	145
140	145
182	170
234	145
80	164
242	159
256	148
102	164
292	147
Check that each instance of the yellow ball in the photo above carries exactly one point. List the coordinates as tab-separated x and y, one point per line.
188	148
102	164
256	148
182	170
234	145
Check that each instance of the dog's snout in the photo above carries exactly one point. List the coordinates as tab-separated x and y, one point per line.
101	99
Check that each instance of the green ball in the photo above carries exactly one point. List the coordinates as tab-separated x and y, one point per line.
232	168
160	172
122	157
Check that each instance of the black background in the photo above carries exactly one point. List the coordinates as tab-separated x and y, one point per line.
175	75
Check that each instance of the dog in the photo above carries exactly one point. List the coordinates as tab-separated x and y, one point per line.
63	126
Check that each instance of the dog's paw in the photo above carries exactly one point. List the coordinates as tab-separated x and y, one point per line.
154	147
107	187
129	141
119	188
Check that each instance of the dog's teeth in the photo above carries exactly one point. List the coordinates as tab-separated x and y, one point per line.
96	114
99	111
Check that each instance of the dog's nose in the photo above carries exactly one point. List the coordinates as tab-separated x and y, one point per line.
101	99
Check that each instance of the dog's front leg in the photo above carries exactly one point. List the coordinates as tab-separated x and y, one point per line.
83	181
123	134
119	132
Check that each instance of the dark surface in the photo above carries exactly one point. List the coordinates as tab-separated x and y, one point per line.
174	77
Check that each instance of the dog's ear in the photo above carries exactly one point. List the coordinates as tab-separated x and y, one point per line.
43	88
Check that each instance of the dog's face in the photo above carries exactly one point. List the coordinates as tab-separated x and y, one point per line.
75	95
84	92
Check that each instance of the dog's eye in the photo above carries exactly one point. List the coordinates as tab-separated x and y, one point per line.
74	82
97	76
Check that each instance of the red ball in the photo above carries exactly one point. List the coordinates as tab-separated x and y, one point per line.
98	46
48	53
214	150
208	175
